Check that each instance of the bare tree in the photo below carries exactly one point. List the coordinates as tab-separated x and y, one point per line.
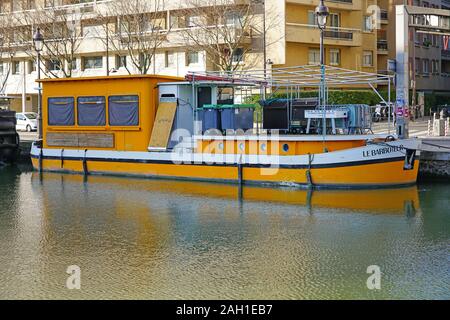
140	30
226	30
7	50
63	36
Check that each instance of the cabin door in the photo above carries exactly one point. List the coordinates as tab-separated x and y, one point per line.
204	96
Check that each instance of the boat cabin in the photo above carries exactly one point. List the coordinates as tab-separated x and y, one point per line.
115	113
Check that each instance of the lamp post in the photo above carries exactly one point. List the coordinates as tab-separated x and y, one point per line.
38	43
322	14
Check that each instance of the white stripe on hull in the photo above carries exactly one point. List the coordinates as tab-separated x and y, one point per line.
371	152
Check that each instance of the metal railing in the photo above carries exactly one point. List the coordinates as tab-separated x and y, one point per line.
345	1
338	34
330	32
382	45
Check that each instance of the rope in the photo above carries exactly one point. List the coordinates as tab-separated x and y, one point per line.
435	145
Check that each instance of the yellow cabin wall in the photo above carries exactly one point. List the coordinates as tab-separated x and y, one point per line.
125	138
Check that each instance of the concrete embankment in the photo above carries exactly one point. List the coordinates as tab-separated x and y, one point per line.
435	158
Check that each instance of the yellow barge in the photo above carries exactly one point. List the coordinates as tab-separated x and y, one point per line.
123	125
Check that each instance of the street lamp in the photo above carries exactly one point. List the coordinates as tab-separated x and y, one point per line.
322	14
38	43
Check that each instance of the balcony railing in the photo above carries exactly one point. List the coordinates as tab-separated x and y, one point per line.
345	1
338	34
308	33
382	45
445	53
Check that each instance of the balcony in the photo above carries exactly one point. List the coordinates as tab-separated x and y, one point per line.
382	47
304	33
445	54
384	16
332	4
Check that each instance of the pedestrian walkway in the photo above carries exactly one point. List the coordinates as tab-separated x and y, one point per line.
418	128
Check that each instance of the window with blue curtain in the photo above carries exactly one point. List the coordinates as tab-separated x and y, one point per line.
123	110
91	111
61	111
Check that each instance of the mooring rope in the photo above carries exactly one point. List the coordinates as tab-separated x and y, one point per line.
435	145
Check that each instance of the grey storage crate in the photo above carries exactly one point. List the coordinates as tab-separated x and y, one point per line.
236	118
210	118
244	118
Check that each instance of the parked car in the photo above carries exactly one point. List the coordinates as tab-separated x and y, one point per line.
26	121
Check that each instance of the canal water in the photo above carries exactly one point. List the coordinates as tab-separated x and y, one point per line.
157	239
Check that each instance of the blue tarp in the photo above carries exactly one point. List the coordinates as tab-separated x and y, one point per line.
91	111
61	111
123	110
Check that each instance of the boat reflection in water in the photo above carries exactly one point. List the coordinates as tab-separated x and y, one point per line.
157	239
388	200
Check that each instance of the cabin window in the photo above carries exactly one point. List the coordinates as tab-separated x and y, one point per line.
91	111
61	111
123	110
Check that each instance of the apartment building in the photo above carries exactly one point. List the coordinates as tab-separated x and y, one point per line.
429	59
292	38
350	36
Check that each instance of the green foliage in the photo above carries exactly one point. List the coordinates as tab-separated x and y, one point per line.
338	96
433	100
352	97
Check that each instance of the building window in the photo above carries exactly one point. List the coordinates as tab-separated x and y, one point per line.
426	66
234	19
417	65
121	62
91	111
192	58
238	55
193	21
314	56
31	66
31	4
1	67
93	62
61	111
73	64
312	18
367	59
94	30
435	66
169	59
123	110
417	38
335	57
334	20
15	67
54	65
368	25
